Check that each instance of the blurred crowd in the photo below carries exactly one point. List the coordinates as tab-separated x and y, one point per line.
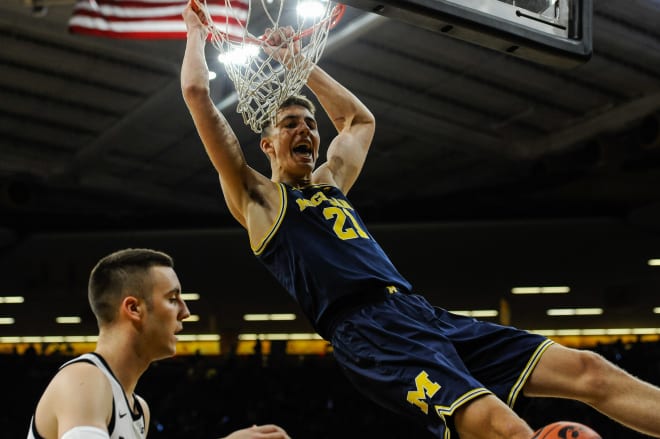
207	397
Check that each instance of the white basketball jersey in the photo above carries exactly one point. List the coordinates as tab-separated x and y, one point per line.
124	423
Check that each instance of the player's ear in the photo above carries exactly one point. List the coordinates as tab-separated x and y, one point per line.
266	145
131	307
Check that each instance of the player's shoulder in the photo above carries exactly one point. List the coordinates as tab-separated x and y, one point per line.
75	386
80	375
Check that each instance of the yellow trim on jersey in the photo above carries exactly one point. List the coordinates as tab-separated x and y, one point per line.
443	411
525	374
259	248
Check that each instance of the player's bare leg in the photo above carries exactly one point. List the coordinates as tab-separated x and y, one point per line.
588	377
487	417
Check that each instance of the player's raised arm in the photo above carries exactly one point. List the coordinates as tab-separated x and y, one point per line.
220	142
354	122
355	126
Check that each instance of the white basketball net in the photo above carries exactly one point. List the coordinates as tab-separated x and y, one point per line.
261	82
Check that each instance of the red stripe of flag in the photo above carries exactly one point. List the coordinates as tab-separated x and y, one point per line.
149	19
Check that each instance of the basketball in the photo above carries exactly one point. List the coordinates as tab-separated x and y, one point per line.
566	430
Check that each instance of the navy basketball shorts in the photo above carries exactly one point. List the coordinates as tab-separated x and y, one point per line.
425	362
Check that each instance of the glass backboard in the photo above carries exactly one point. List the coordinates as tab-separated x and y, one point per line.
552	32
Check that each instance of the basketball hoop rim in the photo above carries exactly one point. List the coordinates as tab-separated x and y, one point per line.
335	16
262	80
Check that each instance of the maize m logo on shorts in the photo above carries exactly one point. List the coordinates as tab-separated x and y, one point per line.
424	388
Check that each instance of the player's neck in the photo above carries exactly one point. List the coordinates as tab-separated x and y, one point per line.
121	356
296	182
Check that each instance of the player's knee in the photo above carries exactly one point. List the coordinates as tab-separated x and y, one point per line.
497	428
489	418
592	378
516	430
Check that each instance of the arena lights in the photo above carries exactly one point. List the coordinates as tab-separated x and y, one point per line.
574	312
313	337
239	56
49	339
68	320
198	337
93	338
310	9
477	313
541	290
279	337
596	332
12	299
268	317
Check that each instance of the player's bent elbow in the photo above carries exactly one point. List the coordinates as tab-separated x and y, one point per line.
365	130
365	125
194	91
362	118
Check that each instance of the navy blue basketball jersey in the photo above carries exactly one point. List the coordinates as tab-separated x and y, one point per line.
321	252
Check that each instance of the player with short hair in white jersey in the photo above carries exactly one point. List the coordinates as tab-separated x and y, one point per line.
135	295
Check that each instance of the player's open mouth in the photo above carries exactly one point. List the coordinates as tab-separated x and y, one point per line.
303	150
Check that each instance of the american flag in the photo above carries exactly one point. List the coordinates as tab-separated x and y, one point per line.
150	19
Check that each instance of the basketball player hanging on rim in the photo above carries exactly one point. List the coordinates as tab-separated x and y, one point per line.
456	375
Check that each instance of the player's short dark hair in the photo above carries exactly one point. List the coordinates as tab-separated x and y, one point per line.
124	272
292	100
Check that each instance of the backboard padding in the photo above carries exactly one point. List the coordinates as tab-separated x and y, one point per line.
502	25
